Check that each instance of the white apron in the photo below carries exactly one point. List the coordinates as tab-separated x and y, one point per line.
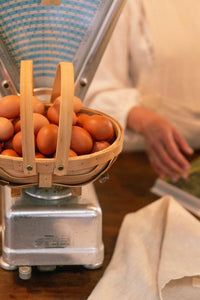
173	86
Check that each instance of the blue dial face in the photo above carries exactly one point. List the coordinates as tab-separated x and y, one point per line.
46	34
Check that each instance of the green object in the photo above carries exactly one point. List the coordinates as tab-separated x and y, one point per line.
192	183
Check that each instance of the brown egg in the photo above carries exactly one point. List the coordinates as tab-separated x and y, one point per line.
39	155
9	152
99	127
17	142
17	124
39	120
38	106
81	140
81	118
47	139
10	106
100	145
53	114
72	153
6	129
77	104
56	103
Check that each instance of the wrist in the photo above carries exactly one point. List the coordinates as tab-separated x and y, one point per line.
137	119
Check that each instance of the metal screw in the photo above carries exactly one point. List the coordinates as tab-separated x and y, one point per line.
60	168
29	168
5	84
83	82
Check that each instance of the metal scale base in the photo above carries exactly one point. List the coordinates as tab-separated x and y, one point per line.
50	227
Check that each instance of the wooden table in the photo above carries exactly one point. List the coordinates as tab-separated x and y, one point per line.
127	190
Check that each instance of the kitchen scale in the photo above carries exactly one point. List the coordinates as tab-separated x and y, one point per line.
54	226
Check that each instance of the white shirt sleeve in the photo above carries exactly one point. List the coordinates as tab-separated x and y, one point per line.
113	89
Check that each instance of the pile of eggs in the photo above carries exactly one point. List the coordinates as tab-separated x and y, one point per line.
90	133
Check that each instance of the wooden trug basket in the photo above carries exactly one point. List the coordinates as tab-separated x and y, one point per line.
61	170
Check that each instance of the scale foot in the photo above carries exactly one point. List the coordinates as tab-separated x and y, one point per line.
6	266
25	272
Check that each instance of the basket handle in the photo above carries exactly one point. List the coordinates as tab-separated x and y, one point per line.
64	86
26	116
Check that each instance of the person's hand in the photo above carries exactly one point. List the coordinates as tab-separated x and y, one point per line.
165	146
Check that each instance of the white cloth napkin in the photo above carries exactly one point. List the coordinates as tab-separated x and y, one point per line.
157	256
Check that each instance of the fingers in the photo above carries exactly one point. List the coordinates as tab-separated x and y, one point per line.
166	148
167	160
172	148
160	168
182	144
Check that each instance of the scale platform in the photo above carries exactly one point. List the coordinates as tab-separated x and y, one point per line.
50	227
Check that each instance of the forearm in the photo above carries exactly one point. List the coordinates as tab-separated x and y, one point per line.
139	118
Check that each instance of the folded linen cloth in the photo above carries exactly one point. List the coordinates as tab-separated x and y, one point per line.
157	256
